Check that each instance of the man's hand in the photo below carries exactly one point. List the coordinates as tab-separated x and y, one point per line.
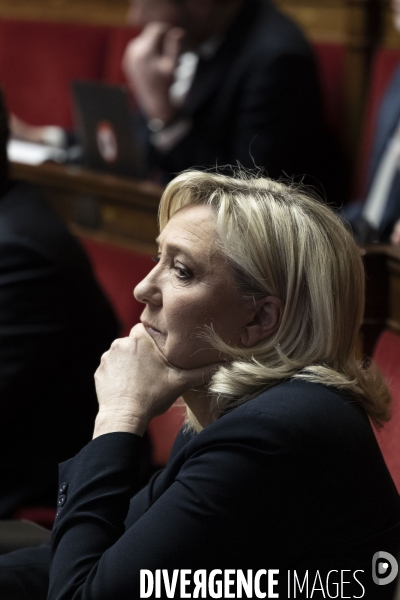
135	382
395	237
149	63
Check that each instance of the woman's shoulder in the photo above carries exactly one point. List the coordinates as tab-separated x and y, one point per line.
296	400
297	415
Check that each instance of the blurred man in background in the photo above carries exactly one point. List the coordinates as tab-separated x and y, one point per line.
222	81
55	323
225	81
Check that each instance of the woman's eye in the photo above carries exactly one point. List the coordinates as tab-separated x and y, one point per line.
182	273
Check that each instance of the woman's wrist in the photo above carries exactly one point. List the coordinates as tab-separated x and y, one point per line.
112	421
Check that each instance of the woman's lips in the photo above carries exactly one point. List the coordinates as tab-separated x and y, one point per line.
152	330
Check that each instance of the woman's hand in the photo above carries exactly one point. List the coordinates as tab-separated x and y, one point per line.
135	382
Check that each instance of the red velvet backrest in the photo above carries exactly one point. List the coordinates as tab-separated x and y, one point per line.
119	270
387	357
383	65
117	41
331	63
39	60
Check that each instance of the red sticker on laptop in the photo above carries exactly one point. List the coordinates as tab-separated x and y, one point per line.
107	141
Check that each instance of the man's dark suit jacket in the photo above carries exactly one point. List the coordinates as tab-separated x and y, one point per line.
257	101
54	325
293	479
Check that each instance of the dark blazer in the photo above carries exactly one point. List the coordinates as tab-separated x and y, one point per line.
54	325
257	101
293	479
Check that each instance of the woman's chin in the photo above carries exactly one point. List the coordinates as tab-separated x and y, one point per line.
196	360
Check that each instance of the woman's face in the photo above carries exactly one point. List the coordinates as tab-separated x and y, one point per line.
191	286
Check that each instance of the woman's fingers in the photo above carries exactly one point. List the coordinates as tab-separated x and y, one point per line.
183	379
135	382
194	378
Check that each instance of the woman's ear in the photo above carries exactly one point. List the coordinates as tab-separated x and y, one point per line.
265	322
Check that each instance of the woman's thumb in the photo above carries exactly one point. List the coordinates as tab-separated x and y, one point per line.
192	378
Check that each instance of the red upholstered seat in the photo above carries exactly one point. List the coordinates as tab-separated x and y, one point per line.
383	66
39	60
387	357
118	271
42	515
331	63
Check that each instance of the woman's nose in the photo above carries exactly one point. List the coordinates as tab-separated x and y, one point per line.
148	291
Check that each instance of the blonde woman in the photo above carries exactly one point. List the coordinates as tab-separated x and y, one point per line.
276	485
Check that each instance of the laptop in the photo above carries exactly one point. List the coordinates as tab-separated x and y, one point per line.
105	127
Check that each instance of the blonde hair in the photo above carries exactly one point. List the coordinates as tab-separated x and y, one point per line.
281	241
